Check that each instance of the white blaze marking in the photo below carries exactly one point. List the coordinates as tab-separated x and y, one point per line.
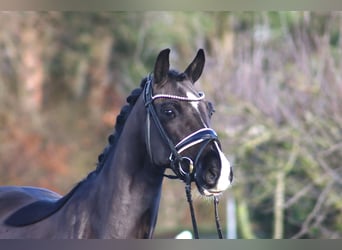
194	104
191	95
224	181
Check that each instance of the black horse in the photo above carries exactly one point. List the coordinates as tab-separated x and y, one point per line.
164	125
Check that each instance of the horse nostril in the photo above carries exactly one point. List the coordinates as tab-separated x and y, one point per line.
211	176
231	175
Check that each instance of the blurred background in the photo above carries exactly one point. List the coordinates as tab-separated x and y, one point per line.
275	79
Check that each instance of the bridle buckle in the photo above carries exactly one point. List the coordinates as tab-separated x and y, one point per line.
185	166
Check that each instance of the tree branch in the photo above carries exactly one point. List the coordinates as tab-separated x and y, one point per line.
315	211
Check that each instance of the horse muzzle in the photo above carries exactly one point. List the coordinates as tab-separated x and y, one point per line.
214	173
210	170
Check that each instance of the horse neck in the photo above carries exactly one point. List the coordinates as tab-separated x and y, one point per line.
127	190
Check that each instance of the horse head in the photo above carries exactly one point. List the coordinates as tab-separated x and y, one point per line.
178	127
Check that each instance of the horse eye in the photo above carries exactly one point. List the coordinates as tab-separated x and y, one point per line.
168	110
169	113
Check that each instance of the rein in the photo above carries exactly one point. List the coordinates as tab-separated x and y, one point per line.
182	166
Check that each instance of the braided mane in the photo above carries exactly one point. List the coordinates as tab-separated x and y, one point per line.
120	123
122	117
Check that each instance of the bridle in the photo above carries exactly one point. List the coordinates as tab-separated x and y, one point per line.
183	167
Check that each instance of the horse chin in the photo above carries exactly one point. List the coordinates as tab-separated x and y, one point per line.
209	193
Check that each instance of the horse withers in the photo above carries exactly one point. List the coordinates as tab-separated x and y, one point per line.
166	124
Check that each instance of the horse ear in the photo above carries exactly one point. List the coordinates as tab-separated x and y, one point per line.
194	70
161	67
